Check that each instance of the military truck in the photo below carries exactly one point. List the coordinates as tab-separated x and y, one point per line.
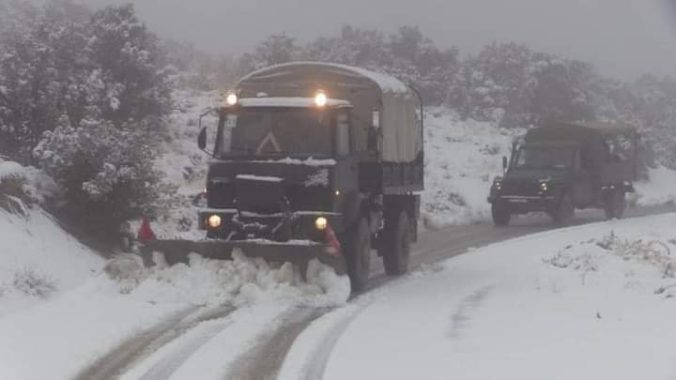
313	160
560	167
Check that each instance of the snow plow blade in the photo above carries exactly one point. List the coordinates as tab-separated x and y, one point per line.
176	251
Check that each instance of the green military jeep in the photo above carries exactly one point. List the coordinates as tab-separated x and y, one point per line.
561	167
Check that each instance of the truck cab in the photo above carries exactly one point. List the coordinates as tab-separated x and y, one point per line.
321	155
562	167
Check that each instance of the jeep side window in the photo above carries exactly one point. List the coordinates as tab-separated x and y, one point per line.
342	134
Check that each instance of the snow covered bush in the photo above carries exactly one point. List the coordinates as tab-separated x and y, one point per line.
31	283
105	171
21	187
132	82
86	96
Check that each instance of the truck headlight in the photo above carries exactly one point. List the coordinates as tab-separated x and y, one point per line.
214	221
497	185
544	187
321	223
320	99
231	99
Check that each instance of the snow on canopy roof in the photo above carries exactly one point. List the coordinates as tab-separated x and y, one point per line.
387	83
290	102
602	127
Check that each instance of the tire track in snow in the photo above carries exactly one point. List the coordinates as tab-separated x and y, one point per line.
135	349
264	361
169	364
462	316
333	325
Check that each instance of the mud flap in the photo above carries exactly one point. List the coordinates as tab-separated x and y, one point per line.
176	251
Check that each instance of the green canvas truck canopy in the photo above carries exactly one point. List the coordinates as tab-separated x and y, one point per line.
609	149
366	91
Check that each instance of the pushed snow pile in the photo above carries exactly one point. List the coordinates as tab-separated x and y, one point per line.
461	160
241	281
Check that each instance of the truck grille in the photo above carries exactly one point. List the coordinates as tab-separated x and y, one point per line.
520	188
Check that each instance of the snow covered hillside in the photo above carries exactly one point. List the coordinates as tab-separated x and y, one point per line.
589	302
461	160
38	260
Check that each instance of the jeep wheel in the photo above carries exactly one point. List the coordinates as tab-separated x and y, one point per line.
358	254
501	214
614	204
564	211
396	245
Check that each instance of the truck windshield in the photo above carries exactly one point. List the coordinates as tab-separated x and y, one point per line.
544	158
276	131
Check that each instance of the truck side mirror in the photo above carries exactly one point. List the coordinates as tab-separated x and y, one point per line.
504	163
202	139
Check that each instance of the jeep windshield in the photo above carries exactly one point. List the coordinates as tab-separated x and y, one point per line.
532	157
276	131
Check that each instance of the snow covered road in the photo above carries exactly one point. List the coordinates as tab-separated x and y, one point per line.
587	302
185	323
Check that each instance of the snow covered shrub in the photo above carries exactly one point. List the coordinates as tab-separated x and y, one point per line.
29	282
13	190
43	72
128	64
106	173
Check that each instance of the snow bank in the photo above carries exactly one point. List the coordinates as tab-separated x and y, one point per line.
39	260
588	302
659	189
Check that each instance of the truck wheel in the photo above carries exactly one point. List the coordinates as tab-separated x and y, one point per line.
396	246
358	254
615	204
565	210
501	214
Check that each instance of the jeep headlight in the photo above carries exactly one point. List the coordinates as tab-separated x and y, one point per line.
497	185
544	187
214	221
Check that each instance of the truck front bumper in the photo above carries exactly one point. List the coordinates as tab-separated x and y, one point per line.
295	252
521	204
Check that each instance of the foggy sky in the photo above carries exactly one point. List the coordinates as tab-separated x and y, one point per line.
623	38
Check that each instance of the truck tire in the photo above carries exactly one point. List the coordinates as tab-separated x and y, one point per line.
396	245
564	211
358	254
500	213
615	203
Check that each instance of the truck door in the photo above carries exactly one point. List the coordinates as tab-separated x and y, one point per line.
583	186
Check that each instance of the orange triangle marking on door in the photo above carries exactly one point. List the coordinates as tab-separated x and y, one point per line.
268	140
